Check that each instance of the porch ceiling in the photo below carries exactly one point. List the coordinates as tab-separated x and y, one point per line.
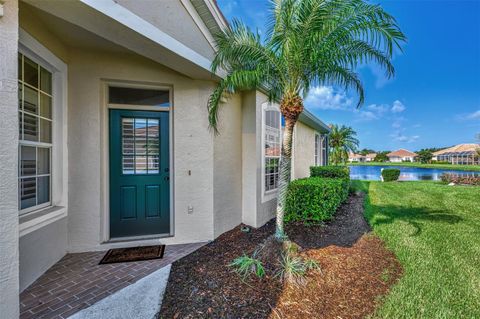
106	25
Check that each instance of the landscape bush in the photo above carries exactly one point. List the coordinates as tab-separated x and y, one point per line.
440	162
315	199
448	178
330	171
390	174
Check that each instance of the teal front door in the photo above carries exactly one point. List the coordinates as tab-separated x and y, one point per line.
139	173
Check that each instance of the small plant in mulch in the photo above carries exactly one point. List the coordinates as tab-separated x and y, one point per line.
281	260
246	266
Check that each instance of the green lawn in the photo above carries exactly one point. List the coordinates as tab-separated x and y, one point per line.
446	166
434	230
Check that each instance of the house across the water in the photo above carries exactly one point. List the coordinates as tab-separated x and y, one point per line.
355	158
462	154
401	155
370	157
105	138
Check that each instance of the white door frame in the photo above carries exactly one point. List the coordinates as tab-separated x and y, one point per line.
105	154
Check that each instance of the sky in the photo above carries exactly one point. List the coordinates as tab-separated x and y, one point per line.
434	99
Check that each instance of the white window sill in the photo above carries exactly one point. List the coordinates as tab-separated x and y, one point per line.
269	195
35	220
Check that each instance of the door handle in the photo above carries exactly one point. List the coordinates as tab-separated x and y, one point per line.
166	178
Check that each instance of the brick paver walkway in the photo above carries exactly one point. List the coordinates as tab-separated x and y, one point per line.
77	281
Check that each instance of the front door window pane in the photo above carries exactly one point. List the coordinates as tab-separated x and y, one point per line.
140	146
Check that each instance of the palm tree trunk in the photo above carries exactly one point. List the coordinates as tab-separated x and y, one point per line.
284	176
291	107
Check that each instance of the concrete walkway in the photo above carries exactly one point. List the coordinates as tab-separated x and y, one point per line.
141	300
78	281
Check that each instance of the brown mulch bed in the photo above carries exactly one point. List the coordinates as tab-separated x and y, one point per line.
356	270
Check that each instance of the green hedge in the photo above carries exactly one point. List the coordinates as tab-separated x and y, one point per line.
315	199
390	174
330	171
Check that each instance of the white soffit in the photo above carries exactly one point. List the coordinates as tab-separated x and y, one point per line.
117	24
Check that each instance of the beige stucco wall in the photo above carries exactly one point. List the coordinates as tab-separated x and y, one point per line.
40	249
40	32
303	150
249	159
227	173
257	209
171	17
9	282
193	146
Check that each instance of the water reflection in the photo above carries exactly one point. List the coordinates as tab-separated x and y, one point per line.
372	173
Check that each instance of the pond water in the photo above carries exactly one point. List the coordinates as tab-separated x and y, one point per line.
372	173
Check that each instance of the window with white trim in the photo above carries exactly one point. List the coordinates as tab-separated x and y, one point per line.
318	149
324	141
272	147
35	134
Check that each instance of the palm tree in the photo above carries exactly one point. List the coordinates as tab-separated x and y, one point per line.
308	43
342	141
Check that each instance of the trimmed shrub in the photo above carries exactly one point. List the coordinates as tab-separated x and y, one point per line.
440	162
330	171
390	174
448	178
315	199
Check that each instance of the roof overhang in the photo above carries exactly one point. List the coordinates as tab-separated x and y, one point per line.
314	122
118	25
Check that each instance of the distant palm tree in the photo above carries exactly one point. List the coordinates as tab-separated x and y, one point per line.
307	43
342	141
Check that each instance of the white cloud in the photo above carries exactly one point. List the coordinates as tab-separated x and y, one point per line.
367	116
473	116
398	122
376	112
326	98
399	136
398	107
468	116
380	109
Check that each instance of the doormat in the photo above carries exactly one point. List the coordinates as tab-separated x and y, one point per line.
121	255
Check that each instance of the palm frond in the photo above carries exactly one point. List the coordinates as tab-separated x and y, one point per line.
235	81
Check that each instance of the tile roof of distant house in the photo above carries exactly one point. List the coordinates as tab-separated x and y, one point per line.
401	153
471	147
371	155
353	155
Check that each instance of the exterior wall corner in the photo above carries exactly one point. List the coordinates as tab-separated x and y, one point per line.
9	263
